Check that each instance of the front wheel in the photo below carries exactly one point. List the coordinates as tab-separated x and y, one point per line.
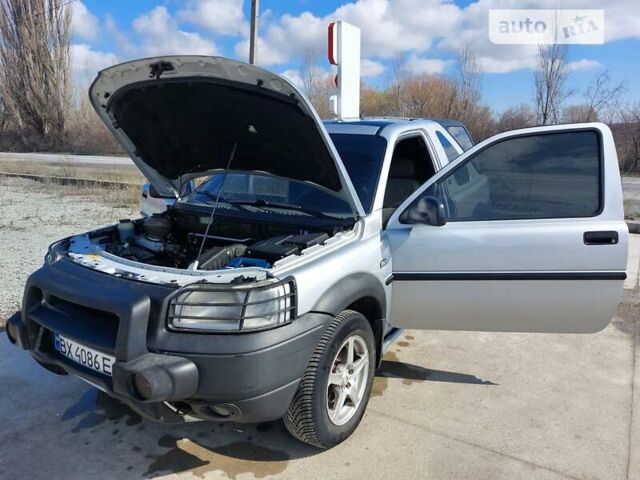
336	386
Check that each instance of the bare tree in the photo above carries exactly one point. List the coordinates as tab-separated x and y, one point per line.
468	79
34	65
550	82
601	101
579	113
627	137
465	94
512	118
603	98
395	90
317	84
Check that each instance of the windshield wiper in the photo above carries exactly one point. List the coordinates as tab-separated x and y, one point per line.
283	206
214	197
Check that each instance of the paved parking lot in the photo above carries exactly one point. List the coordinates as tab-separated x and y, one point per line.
445	405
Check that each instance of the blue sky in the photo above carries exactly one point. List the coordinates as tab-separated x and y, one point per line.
425	32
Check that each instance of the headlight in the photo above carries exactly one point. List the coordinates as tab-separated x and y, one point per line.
224	308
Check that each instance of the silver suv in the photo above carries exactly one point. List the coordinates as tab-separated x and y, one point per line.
271	289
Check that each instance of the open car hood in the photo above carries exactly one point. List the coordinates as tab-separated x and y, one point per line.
179	117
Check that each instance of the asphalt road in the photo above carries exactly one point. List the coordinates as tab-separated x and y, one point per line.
88	160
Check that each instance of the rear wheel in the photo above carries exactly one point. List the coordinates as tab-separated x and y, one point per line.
335	388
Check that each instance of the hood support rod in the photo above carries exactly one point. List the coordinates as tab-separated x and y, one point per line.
215	206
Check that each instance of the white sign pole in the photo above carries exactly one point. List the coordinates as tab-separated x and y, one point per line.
344	51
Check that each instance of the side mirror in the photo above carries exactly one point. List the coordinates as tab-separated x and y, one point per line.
427	210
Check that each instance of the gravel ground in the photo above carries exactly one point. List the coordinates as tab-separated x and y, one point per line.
32	216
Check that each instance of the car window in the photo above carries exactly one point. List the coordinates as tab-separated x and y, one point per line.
461	136
555	175
449	149
362	156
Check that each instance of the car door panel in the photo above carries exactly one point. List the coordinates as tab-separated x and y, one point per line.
467	292
526	274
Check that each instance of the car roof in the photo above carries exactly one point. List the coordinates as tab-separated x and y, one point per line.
374	125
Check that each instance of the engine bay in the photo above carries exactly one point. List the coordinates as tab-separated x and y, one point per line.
179	240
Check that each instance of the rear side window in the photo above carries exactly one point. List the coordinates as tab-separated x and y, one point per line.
461	136
555	175
448	148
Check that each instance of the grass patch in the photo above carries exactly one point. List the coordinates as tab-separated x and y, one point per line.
125	195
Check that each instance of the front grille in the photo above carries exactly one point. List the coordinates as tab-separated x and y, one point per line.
90	326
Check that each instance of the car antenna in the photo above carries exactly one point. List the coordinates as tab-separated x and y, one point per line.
215	206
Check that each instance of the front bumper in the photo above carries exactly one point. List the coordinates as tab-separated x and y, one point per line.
248	377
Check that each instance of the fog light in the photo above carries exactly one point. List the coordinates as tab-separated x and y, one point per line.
141	386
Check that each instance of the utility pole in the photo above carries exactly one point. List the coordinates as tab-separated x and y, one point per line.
253	36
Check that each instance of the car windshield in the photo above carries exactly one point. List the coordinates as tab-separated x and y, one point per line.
268	192
362	155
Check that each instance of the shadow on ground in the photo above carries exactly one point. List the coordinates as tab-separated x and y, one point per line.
411	373
198	448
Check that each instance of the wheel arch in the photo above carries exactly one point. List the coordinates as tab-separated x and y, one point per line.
363	293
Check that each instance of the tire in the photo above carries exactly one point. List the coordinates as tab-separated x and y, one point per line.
314	415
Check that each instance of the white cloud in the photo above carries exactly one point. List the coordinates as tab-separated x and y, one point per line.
86	62
83	24
223	17
414	28
370	68
584	65
294	77
388	27
267	54
427	65
161	35
505	63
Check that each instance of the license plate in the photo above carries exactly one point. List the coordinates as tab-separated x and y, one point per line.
85	356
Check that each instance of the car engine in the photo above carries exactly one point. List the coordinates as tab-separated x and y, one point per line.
175	241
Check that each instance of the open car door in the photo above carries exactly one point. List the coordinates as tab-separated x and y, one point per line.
524	232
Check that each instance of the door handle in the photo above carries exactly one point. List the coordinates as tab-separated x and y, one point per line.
600	238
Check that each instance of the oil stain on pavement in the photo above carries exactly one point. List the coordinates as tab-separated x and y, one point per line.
233	459
194	448
98	408
199	449
627	320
